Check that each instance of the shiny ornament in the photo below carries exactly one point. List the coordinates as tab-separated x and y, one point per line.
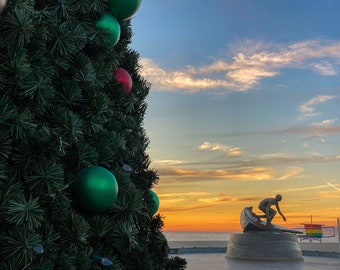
108	23
155	205
124	9
123	77
127	168
38	249
96	189
106	261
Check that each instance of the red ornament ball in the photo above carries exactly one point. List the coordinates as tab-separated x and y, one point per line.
123	77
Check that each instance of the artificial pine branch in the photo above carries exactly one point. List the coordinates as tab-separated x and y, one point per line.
45	179
25	212
62	110
17	246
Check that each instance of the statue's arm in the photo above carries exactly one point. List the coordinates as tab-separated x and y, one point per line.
279	211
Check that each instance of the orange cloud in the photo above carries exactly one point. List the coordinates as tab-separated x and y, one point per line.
185	208
222	198
329	195
245	174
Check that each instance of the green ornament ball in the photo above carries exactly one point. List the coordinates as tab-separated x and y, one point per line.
96	189
124	9
155	205
108	23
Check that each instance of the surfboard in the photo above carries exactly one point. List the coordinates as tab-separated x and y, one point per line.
251	222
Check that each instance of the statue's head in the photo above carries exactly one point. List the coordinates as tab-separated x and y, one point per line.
278	197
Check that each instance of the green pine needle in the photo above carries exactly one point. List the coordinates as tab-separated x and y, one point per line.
45	179
7	111
124	237
76	231
25	212
18	245
20	25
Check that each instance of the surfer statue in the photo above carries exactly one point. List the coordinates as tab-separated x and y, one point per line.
269	213
261	239
253	222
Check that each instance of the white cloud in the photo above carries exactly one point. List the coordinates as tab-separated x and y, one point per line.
292	172
324	68
302	189
308	107
249	63
178	80
324	123
333	186
213	146
230	151
168	162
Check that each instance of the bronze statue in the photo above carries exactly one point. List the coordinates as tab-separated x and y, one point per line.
269	213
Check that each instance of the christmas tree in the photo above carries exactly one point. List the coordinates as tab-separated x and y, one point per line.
75	182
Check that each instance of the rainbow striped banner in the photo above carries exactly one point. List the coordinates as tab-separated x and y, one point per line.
313	230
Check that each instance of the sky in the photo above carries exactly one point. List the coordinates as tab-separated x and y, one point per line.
244	105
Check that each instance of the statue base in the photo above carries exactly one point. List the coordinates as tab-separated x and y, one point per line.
264	246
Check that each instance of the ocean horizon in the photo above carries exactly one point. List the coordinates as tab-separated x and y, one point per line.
216	236
196	236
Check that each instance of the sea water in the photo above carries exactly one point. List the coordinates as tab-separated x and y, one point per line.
197	236
216	236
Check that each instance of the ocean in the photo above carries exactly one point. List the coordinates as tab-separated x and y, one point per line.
197	236
216	236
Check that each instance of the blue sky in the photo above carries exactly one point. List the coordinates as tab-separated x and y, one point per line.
244	103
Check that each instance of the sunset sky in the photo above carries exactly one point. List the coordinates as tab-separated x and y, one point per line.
244	104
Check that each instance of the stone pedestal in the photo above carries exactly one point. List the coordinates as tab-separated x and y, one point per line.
264	246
